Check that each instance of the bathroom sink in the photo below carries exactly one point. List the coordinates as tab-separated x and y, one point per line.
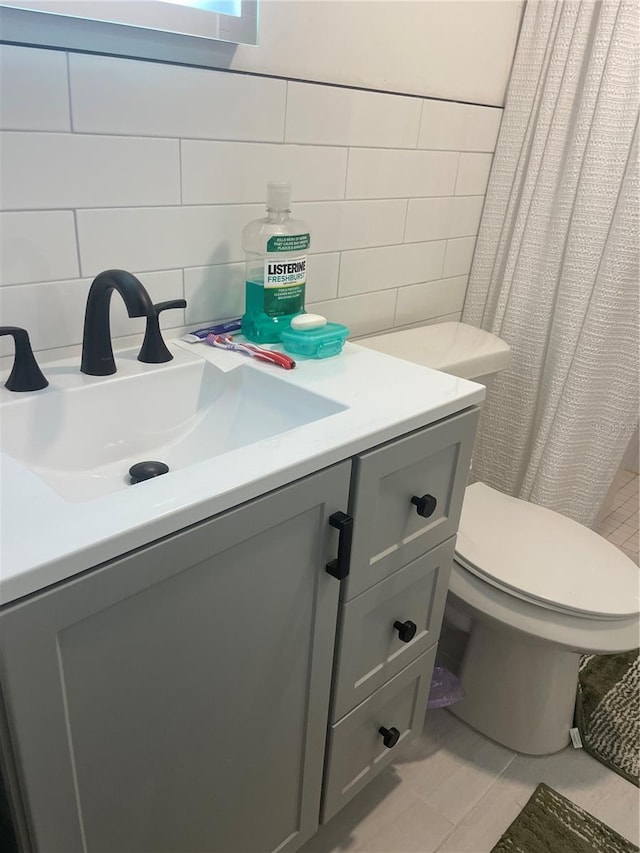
82	434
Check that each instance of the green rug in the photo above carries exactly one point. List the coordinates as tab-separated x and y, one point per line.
549	823
608	711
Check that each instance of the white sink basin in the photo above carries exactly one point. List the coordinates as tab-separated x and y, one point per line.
82	434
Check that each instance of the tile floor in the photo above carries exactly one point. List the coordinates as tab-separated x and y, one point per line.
452	790
622	522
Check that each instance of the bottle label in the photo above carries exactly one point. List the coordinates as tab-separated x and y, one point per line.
284	283
289	243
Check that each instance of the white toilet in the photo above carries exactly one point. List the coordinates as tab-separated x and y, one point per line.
534	589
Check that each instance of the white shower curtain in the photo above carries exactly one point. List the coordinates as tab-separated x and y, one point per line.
556	268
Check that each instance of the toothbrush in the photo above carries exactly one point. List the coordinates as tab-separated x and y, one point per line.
219	329
277	358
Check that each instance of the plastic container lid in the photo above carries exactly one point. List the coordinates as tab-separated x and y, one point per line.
536	554
320	342
455	348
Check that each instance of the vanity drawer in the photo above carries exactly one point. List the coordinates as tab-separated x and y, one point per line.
389	531
372	647
356	750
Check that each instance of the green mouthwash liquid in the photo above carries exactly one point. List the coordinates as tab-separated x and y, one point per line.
276	268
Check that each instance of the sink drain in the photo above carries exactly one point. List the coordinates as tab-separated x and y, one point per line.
146	471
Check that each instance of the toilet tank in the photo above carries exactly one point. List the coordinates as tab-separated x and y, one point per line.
454	348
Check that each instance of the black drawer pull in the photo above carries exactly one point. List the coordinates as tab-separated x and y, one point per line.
425	506
406	630
390	737
339	568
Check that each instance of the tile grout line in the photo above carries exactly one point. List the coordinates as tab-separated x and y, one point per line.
477	804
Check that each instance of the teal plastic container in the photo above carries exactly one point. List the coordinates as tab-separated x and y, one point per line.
315	343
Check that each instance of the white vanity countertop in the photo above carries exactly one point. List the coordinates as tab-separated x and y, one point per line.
45	538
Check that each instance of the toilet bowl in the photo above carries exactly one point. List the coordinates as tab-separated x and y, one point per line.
538	590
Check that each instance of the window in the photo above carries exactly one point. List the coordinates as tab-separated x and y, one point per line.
186	31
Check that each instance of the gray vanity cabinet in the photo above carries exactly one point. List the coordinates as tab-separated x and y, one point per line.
220	690
177	698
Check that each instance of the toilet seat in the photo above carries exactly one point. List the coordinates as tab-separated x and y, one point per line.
544	558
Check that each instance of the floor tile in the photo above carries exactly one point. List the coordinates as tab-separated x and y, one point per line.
419	829
618	537
481	829
450	766
584	781
607	525
368	814
633	555
573	773
618	516
621	525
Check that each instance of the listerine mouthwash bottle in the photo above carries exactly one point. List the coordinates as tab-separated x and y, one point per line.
276	267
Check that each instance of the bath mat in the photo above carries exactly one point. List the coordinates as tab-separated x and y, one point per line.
549	823
608	711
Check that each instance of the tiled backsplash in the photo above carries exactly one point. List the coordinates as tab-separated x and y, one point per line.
156	169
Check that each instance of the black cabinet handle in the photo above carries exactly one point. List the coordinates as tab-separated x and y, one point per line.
425	506
390	737
339	568
406	630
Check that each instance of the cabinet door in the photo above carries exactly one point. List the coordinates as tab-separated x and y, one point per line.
388	626
177	699
389	531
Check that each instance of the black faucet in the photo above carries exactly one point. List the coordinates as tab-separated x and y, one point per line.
97	352
153	349
26	375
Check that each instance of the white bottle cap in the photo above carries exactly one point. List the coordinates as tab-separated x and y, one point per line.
278	195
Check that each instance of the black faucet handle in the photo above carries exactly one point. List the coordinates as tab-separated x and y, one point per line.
153	349
25	375
171	303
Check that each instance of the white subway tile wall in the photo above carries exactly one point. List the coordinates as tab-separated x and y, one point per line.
429	299
34	92
458	127
69	170
365	270
473	174
458	257
37	246
156	169
132	98
332	115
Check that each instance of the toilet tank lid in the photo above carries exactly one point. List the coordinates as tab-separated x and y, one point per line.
535	553
454	348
